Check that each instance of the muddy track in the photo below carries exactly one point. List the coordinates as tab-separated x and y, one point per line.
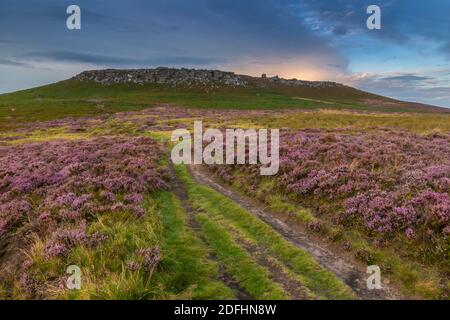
180	192
342	265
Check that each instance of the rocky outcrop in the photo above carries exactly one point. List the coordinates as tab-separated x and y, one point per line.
185	77
190	77
311	84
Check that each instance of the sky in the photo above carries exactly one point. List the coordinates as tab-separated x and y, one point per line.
407	59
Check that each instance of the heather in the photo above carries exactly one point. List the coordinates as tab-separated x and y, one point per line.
98	192
392	184
53	191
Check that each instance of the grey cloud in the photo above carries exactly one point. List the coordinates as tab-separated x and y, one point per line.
9	62
340	30
405	78
219	28
405	87
445	49
403	21
106	60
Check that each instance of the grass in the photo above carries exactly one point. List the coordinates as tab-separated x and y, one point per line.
317	279
51	134
73	99
252	277
422	123
260	254
3	293
184	272
276	201
416	279
185	261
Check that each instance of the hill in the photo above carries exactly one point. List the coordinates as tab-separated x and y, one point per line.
107	91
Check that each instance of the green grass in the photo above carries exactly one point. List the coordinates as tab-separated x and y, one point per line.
185	264
276	201
73	99
3	294
259	254
317	279
252	277
422	123
184	272
396	261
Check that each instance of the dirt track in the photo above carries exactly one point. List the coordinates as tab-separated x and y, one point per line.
341	264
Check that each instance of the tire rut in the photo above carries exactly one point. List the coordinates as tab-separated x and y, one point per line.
350	273
182	195
295	289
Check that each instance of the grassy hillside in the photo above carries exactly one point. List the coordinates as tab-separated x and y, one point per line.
73	98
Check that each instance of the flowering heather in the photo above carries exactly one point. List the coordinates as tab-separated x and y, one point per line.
388	181
150	258
58	187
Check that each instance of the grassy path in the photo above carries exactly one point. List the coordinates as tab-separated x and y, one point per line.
342	266
261	260
185	256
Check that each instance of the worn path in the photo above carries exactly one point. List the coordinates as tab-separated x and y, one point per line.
350	272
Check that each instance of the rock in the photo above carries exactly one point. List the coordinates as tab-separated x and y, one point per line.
174	77
187	77
311	84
